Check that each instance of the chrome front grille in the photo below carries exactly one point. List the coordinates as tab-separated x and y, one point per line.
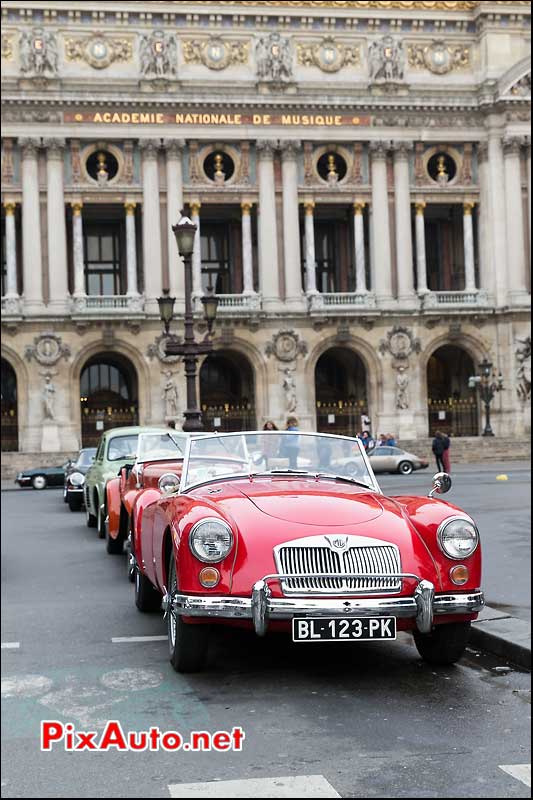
363	559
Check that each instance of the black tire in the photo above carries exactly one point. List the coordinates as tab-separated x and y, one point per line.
147	598
445	644
405	468
100	522
74	502
39	482
90	519
187	643
115	547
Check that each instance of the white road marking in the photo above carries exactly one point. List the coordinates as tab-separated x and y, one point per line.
90	707
132	680
10	645
299	786
522	772
133	639
26	685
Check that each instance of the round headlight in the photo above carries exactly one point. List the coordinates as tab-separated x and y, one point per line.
211	540
77	479
458	537
168	482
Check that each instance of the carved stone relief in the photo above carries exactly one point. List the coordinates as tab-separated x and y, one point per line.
274	59
386	60
400	343
98	51
328	55
47	349
7	47
158	55
170	395
402	389
288	385
215	53
157	350
286	346
38	54
438	57
523	371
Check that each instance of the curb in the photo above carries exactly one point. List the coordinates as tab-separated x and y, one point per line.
504	636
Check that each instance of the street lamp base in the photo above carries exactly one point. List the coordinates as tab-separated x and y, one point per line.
488	432
193	422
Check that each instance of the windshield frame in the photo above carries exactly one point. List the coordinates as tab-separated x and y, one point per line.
185	488
171	434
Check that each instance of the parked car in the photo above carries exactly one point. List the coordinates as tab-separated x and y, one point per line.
41	477
117	446
321	554
75	478
394	459
158	465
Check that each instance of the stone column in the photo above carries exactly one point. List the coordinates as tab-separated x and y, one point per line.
515	216
381	260
32	264
528	156
267	226
78	254
131	249
486	275
176	272
57	225
360	254
404	237
291	225
497	231
310	254
153	265
468	236
11	252
421	270
197	290
247	250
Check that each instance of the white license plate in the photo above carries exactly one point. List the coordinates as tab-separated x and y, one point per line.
343	629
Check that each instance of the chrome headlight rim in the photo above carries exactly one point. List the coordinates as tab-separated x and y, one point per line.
194	530
77	479
168	475
440	531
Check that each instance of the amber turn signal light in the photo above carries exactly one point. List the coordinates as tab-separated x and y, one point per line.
209	577
459	575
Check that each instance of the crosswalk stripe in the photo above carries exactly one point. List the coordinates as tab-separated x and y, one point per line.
124	639
522	772
298	786
10	645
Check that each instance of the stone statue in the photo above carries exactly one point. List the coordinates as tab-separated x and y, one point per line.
289	387
402	389
170	396
274	59
386	60
158	56
38	53
523	373
48	393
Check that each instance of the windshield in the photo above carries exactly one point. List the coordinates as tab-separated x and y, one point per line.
266	453
160	446
122	447
86	457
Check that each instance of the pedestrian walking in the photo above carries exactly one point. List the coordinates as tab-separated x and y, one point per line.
270	443
438	449
290	445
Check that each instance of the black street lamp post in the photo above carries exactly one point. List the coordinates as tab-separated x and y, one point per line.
487	385
190	349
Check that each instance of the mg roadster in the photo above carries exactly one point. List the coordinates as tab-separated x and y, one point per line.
266	531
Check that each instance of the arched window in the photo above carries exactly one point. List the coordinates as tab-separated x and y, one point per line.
341	392
9	431
452	405
227	392
108	395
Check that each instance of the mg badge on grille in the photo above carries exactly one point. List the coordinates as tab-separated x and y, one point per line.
339	543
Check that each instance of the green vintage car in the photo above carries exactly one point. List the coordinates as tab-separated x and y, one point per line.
117	447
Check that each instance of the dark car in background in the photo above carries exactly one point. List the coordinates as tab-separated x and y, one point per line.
75	478
41	477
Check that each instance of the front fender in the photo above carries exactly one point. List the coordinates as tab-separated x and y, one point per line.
141	539
113	506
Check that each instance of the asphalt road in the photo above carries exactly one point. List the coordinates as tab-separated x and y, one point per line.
367	721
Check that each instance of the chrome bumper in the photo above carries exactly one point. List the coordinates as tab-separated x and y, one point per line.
422	605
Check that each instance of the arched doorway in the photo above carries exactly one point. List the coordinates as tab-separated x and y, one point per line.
227	393
452	405
341	392
10	431
108	396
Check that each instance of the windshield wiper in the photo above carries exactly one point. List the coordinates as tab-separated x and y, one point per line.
344	478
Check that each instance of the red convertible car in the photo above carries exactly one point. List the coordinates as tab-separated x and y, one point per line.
157	467
268	530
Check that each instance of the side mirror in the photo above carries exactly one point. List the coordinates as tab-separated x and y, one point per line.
442	483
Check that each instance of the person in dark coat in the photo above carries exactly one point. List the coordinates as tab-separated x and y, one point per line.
438	448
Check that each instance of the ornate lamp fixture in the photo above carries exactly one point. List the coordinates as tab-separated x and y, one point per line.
487	385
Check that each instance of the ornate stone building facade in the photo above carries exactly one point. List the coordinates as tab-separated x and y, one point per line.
361	176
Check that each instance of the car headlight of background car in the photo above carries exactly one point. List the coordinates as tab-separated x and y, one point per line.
458	537
77	479
211	540
168	482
